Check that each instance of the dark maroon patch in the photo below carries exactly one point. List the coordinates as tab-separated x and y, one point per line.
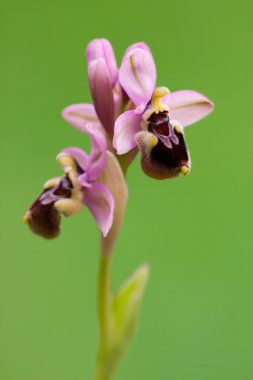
43	218
171	150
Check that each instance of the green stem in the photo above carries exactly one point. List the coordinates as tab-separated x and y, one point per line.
104	302
104	298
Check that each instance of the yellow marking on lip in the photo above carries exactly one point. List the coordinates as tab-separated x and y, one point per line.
150	140
177	127
26	218
184	170
153	141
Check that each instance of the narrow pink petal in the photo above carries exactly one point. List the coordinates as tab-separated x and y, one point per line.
137	76
126	127
187	106
97	159
101	48
79	156
137	45
83	117
100	202
102	93
79	115
118	98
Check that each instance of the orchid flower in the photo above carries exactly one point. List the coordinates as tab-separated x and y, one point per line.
78	186
156	123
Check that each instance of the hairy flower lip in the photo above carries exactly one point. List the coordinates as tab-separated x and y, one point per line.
165	158
43	216
160	161
45	222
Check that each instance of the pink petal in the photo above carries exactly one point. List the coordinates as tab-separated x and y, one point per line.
101	48
83	179
79	115
126	127
102	93
187	106
137	76
117	98
137	45
97	159
83	117
99	201
79	156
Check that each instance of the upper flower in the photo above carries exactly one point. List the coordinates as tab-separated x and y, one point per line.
155	124
134	113
78	186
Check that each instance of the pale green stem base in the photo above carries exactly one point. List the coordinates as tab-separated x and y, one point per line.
104	318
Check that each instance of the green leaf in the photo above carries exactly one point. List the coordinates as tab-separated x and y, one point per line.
127	302
125	308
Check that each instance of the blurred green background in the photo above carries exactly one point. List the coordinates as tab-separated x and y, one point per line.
196	232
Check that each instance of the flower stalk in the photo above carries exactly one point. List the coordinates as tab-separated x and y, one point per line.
104	301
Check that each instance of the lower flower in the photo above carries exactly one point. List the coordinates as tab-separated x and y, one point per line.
67	194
